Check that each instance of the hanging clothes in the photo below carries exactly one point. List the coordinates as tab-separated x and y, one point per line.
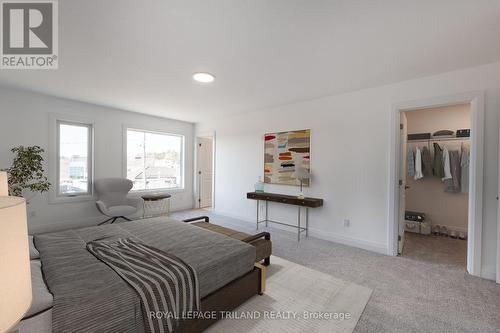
437	166
464	163
418	164
411	162
453	185
426	162
446	165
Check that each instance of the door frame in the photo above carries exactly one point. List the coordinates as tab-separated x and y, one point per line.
196	169
475	219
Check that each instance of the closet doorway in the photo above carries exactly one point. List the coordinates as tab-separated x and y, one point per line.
436	196
436	178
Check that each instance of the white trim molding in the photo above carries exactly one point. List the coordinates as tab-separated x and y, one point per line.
53	151
475	225
498	228
125	128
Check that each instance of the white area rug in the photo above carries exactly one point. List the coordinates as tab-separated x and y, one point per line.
294	293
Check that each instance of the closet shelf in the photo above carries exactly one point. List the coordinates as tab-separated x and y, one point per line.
440	139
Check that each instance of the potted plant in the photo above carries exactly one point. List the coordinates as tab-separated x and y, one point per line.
26	172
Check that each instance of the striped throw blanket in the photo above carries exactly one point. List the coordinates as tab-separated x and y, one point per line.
167	286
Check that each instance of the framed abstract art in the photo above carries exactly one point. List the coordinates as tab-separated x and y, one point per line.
284	153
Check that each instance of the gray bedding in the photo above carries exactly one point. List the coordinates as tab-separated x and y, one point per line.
90	297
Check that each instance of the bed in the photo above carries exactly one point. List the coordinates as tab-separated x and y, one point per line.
88	296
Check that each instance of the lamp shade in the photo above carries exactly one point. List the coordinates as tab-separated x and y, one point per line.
15	277
4	186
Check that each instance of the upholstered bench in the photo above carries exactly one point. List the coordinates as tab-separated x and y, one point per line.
261	241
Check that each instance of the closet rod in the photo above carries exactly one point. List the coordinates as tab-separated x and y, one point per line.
439	139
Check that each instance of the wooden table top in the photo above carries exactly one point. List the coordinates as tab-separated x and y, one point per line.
286	199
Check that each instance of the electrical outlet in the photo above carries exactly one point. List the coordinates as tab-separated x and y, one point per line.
347	223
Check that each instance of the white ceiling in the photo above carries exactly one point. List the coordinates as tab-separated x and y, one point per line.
139	55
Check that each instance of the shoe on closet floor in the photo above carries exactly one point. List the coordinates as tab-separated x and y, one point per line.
444	231
435	230
453	234
462	235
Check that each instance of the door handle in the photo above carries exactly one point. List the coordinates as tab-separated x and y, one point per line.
407	187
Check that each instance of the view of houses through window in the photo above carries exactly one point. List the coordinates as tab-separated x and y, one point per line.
75	152
154	160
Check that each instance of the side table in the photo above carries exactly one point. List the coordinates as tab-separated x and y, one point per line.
155	204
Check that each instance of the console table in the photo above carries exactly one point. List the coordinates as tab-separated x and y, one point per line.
305	204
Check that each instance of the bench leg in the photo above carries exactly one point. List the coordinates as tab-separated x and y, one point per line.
267	261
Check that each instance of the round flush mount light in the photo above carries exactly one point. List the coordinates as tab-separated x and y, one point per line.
203	77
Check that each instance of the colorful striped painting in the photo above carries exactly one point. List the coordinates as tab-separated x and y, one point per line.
283	152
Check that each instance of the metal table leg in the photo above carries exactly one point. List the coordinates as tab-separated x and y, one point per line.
257	215
266	213
307	221
298	223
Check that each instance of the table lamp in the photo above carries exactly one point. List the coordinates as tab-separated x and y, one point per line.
302	174
15	279
4	185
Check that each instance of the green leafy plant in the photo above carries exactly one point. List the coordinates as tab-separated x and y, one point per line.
27	171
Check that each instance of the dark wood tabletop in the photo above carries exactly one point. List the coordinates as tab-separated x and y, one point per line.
285	199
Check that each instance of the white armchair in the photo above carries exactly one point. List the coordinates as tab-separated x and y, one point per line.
113	201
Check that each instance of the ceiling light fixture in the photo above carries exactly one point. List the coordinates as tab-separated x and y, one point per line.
203	77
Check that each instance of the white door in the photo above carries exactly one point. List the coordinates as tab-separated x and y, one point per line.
205	172
402	182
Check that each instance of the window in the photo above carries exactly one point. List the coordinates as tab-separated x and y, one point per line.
154	160
74	159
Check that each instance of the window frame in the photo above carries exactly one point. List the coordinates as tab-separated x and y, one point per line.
180	188
54	193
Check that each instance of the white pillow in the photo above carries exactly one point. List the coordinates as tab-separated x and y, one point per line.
34	254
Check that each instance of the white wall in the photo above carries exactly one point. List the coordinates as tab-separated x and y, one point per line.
25	121
349	157
427	194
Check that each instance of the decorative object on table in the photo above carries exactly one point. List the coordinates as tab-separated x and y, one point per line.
303	175
15	280
4	186
283	153
26	172
259	185
463	133
113	201
155	204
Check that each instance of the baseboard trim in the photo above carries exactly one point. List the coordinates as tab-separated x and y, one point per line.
489	273
321	234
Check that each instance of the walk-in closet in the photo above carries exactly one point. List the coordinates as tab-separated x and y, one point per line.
437	184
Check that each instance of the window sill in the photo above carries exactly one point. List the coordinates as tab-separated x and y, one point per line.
160	190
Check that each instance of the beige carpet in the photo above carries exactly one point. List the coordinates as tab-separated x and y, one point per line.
293	293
